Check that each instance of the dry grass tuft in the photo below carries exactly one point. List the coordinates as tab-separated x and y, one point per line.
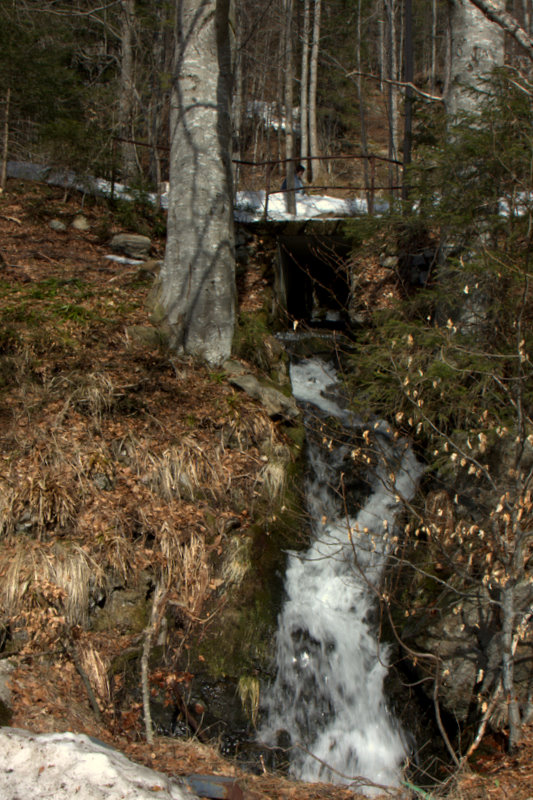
248	689
42	501
59	576
116	553
190	581
274	473
188	471
246	430
237	560
95	394
170	545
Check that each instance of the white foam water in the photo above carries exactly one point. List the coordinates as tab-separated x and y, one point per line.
328	693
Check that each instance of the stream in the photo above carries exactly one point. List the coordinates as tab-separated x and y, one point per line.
327	703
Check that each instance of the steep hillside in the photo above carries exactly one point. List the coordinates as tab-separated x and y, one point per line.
129	475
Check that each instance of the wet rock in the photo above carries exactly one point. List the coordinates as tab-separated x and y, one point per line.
275	402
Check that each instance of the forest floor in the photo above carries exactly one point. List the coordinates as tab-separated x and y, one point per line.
74	384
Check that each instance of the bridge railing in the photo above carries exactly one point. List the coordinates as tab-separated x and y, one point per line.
380	174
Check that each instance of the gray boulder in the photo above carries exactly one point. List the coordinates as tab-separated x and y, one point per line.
275	402
133	245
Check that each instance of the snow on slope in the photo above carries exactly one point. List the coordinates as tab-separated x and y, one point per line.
249	205
69	766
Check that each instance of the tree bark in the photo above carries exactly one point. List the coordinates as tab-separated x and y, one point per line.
362	112
392	74
238	97
304	87
314	151
433	67
5	142
195	299
290	196
495	13
155	619
408	104
477	47
127	88
381	44
508	681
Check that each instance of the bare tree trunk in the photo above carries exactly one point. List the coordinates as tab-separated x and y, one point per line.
280	89
314	150
408	105
304	87
433	67
362	112
127	88
497	14
195	297
156	98
392	74
381	44
526	11
448	65
289	98
5	141
509	689
155	619
238	99
477	46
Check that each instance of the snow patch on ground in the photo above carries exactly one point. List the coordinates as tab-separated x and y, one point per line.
63	766
249	205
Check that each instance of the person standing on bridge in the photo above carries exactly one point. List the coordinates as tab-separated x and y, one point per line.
298	182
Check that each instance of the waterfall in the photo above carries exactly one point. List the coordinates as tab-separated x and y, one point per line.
328	693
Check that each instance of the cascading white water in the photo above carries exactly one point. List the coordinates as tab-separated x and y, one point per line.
328	693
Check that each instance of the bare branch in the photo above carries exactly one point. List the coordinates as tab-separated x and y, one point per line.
402	84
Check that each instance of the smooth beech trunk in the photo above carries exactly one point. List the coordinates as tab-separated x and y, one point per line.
477	47
195	299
